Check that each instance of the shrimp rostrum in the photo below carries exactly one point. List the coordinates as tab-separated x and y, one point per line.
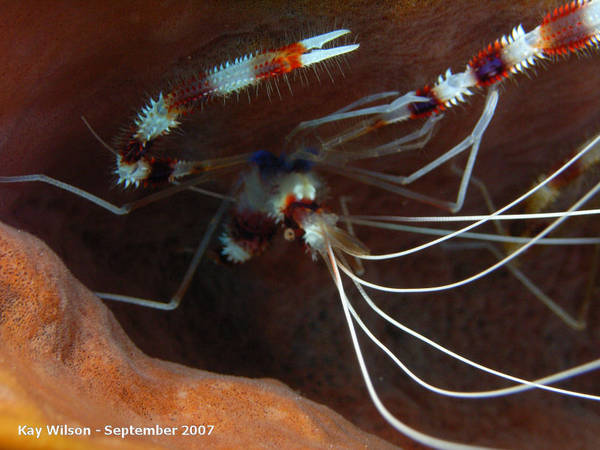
286	193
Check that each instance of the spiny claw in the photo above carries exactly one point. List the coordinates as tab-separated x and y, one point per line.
317	42
320	55
322	39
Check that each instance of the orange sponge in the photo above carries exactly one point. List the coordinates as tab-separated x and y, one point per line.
64	360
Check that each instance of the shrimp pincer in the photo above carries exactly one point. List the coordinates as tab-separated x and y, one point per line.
572	28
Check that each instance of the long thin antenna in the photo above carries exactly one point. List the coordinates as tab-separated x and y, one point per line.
108	147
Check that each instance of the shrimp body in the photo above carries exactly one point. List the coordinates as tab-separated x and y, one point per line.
281	192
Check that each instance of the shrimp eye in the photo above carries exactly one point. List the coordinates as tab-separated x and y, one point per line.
289	234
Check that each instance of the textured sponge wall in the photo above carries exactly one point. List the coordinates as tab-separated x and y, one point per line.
65	360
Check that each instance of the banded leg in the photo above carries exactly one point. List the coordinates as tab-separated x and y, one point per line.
161	115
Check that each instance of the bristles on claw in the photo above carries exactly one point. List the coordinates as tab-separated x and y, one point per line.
160	116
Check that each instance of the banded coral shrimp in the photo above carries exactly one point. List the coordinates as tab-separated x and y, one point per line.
295	331
477	68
